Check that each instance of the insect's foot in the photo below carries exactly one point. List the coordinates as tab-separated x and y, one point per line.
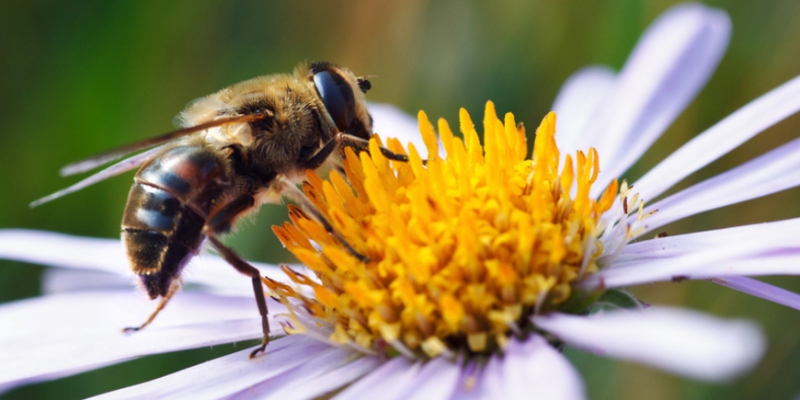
131	329
260	349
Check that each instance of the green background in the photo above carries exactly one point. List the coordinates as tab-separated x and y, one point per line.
78	77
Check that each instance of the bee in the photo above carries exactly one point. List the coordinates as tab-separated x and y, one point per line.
241	147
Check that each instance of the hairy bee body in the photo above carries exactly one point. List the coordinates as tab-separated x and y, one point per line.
175	194
241	147
167	208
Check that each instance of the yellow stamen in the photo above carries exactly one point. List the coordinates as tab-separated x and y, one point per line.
460	250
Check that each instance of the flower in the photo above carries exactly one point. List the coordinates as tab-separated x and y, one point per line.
450	256
614	118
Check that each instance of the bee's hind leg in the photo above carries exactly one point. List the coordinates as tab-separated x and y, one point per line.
220	222
173	288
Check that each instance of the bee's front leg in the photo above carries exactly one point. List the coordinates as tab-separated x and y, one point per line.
343	139
290	190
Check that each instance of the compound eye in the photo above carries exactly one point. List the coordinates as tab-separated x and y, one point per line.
338	97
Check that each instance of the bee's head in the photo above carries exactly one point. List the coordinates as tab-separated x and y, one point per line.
342	93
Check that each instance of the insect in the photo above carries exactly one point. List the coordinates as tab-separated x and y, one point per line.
241	147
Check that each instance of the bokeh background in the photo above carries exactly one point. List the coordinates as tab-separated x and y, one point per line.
79	77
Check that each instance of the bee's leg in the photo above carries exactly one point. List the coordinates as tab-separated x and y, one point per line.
355	142
363	144
245	268
220	221
290	190
173	288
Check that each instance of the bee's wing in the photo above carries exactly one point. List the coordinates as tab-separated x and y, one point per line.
114	170
109	156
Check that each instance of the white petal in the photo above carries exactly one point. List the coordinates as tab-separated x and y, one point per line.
60	335
764	236
492	385
392	122
683	342
55	249
721	138
743	259
533	368
226	375
761	289
386	382
772	172
469	383
301	377
671	63
316	386
62	280
436	380
66	251
576	103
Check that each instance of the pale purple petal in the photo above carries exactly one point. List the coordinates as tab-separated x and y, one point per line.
760	289
387	382
436	380
5	388
59	335
680	341
492	385
743	259
60	250
62	280
760	249
721	138
469	383
392	122
671	63
766	236
579	98
316	386
533	368
66	251
303	376
772	172
227	375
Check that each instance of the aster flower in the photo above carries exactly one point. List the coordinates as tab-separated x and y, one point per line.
476	266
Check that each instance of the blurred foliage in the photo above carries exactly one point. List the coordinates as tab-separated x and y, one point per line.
79	77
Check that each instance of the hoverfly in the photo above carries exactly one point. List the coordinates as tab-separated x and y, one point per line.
241	147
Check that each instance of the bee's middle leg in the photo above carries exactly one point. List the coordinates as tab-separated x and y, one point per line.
220	222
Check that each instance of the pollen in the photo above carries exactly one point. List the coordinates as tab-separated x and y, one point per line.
449	255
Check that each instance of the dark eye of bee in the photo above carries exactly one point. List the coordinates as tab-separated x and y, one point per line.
338	97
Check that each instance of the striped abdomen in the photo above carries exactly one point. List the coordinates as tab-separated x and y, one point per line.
167	208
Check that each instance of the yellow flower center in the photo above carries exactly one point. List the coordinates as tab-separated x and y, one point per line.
458	252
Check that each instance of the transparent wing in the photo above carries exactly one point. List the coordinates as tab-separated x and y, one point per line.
115	154
114	170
